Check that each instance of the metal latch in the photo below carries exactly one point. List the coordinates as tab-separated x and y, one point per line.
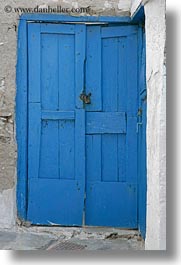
85	98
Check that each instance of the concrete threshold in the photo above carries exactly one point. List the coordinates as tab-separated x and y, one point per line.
70	239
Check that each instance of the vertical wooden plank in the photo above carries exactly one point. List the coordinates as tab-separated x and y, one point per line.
66	146
93	68
49	161
80	159
80	156
132	107
122	74
49	145
66	102
34	39
110	73
80	145
66	72
121	157
122	104
49	72
109	98
80	112
80	42
21	119
109	158
34	135
131	150
93	158
132	79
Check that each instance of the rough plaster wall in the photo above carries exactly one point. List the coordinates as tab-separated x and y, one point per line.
156	125
7	208
7	93
8	44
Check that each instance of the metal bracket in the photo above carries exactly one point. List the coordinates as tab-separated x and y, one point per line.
137	126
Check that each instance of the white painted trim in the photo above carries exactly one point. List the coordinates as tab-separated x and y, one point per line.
135	4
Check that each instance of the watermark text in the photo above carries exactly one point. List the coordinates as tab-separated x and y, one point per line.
47	9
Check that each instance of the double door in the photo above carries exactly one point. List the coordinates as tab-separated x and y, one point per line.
82	119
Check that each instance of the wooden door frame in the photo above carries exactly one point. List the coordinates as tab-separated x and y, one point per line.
22	89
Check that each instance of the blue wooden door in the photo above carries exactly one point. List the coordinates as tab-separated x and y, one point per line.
111	140
56	131
82	158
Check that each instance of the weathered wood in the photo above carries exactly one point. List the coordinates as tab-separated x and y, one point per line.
105	122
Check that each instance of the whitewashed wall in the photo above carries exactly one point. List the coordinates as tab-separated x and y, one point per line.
155	26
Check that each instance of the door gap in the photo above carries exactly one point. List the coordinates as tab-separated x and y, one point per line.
83	215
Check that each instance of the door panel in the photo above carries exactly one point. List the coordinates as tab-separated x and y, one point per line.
111	204
56	131
111	192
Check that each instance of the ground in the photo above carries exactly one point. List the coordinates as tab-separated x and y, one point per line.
70	239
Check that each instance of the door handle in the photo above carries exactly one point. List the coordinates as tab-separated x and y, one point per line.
86	98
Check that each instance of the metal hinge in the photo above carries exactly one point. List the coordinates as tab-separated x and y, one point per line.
139	113
137	126
139	123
